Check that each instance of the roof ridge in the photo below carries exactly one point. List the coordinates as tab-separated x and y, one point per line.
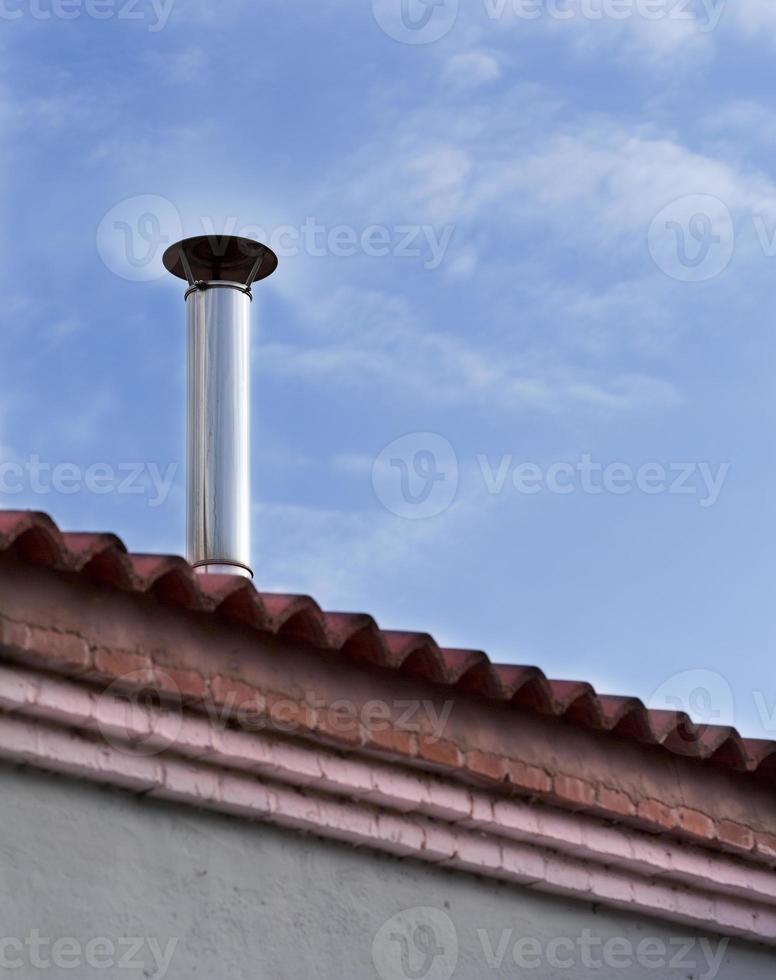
36	538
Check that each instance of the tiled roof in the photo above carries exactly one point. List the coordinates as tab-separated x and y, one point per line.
103	558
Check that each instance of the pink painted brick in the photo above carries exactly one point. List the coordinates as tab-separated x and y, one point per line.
65	703
752	882
65	752
694	907
516	820
447	801
724	874
440	843
138	773
735	916
297	811
239	750
555	827
567	875
342	822
18	689
120	718
18	741
344	776
523	864
612	887
605	842
766	924
348	822
190	737
692	866
299	765
648	854
189	783
481	812
477	853
656	896
400	835
398	789
246	797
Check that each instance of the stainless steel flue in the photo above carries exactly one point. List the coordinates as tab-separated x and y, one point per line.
220	272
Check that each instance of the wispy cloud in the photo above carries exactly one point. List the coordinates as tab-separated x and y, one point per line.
369	341
514	173
297	544
470	69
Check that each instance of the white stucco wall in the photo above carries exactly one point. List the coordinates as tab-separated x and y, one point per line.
96	883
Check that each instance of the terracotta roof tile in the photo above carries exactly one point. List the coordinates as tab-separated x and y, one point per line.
103	559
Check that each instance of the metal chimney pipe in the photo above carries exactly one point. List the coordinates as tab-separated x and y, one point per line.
220	271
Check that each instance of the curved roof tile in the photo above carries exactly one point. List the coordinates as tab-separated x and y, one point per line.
103	558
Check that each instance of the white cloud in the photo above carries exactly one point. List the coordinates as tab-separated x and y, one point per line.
671	37
471	69
297	544
531	191
739	125
515	180
754	18
189	65
668	37
596	179
370	341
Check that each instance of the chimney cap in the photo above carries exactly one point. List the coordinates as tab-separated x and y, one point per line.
220	257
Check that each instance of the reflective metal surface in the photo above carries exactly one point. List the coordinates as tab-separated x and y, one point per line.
218	481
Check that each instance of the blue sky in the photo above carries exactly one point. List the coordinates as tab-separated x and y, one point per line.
533	240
